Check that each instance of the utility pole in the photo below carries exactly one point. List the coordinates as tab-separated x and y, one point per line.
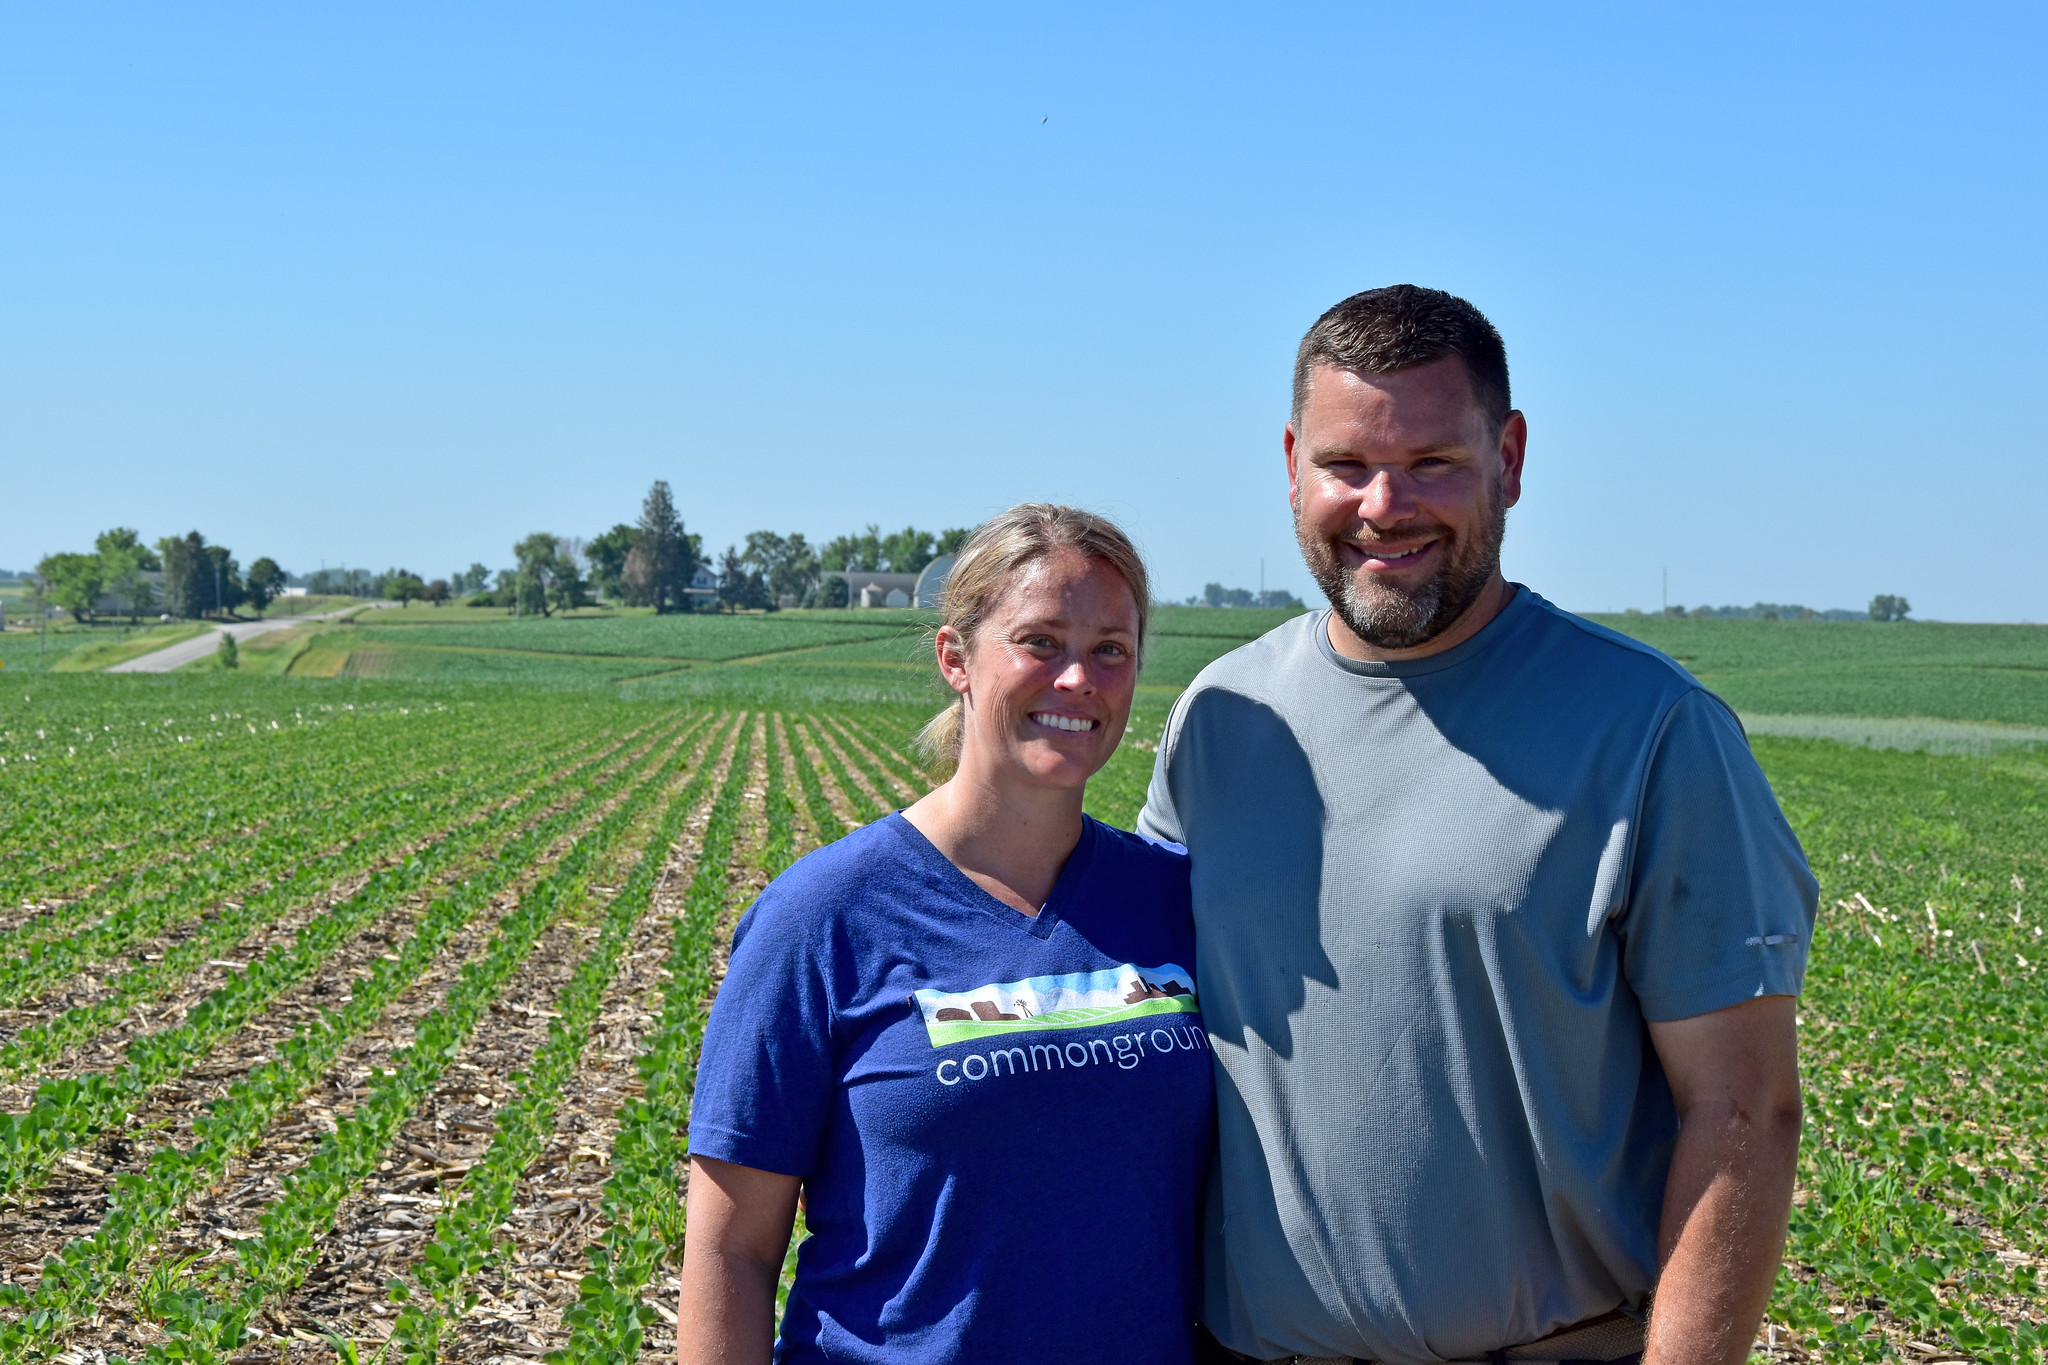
1666	604
1262	581
219	610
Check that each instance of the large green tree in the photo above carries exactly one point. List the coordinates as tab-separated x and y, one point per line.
664	557
220	580
738	584
548	578
72	581
184	561
125	565
606	556
264	584
787	565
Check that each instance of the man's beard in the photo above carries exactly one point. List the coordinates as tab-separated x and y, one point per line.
1388	616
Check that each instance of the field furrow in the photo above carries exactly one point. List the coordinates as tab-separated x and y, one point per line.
143	1203
825	819
641	1202
172	934
532	945
887	787
853	803
68	1110
910	776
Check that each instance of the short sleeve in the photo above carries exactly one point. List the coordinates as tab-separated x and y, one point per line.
1720	900
1160	821
767	1077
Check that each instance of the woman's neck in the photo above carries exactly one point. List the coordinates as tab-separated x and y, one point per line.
1010	838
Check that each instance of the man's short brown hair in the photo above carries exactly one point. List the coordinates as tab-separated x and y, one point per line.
1383	331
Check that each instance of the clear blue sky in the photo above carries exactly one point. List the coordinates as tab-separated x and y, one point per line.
397	284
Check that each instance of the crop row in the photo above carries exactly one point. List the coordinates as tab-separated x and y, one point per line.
68	1111
204	1326
817	804
464	1238
865	807
297	886
392	785
642	1200
140	1204
129	809
340	836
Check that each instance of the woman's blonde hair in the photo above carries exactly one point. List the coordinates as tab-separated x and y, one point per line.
990	561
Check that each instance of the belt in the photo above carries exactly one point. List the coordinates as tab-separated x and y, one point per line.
1611	1337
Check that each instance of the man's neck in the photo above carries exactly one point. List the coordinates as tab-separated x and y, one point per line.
1492	600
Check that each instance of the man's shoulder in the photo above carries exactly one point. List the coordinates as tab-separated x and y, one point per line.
1586	642
1256	662
1627	681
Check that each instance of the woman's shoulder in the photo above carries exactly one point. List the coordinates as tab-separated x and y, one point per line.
829	884
1122	853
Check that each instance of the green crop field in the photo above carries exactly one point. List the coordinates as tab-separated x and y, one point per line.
348	1003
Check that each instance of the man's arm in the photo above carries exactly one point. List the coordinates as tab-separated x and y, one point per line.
739	1223
1735	1076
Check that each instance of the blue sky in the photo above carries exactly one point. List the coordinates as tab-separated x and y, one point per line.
387	284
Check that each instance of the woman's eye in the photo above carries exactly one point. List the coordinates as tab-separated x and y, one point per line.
1114	650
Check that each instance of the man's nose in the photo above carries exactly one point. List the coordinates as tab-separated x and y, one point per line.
1386	497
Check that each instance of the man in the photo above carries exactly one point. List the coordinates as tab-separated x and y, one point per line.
1500	926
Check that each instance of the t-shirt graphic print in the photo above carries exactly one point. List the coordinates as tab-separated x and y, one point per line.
931	1062
1125	997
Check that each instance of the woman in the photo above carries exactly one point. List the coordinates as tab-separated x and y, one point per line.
967	1032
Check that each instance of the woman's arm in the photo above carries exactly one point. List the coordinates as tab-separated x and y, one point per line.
738	1232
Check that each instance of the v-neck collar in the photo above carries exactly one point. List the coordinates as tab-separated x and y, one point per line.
975	897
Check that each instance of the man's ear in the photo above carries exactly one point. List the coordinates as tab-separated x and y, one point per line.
1514	444
1293	468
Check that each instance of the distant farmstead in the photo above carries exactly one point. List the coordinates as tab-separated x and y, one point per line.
870	588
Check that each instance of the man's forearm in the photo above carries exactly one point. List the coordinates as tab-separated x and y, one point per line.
1725	1209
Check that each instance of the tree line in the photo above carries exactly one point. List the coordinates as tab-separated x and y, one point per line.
178	576
654	562
657	562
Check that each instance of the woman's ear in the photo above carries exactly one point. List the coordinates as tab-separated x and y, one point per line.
952	652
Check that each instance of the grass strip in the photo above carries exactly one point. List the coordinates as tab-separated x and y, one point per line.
205	1327
642	1200
465	1235
140	1204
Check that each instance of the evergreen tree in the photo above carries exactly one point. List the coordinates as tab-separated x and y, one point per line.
663	559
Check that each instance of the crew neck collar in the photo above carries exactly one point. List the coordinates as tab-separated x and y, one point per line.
1518	605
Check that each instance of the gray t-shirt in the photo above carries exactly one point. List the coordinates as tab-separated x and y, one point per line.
1435	903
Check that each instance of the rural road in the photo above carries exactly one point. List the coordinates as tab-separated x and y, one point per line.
199	646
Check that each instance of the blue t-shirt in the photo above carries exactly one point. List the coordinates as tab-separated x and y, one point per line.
1002	1123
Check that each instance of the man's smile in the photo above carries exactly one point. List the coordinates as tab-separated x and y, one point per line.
1376	555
